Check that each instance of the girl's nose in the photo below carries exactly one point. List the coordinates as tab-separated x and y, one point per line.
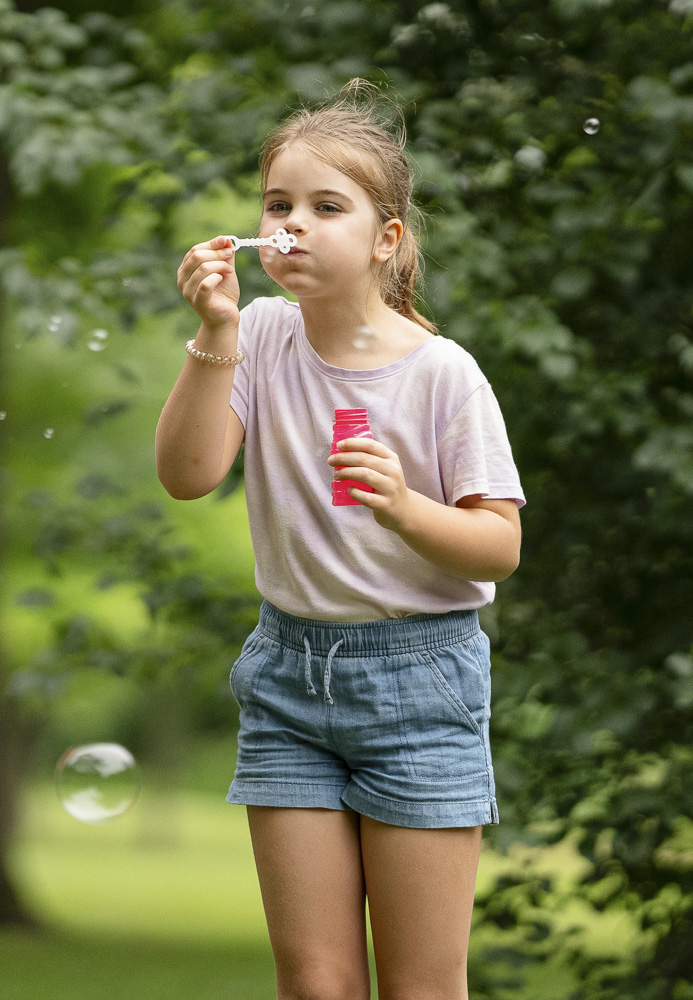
296	223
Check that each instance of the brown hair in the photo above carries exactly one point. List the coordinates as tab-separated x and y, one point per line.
350	134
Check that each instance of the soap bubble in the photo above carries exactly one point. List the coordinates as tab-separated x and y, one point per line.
97	782
269	254
48	433
97	340
591	126
364	338
55	323
3	414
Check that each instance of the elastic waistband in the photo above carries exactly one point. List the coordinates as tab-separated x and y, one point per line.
389	635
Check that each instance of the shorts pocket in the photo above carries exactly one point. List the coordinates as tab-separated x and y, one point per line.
246	665
444	707
462	674
449	692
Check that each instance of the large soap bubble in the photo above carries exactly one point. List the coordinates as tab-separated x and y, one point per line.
97	782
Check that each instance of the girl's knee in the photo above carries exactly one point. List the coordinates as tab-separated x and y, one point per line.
323	985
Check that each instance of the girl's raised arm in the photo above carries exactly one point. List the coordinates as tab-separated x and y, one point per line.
198	435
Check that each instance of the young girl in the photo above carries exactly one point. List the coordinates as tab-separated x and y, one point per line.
363	751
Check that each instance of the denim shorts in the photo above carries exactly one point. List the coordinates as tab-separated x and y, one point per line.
387	718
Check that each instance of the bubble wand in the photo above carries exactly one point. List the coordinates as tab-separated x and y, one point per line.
281	240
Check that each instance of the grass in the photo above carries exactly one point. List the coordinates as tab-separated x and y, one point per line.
61	966
165	901
174	869
162	903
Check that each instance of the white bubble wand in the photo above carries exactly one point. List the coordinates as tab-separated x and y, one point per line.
281	240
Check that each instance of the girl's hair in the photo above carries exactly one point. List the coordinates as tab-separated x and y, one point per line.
350	134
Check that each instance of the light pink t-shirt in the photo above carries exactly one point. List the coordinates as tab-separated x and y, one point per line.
434	408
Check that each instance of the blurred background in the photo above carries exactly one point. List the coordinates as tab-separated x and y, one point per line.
552	145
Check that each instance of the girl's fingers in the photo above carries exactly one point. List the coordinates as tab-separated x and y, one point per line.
189	284
198	258
201	253
350	459
219	242
369	445
202	279
210	282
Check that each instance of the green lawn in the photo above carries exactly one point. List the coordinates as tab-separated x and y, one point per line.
164	902
67	967
159	906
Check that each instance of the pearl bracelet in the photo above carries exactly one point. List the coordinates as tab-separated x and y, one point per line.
213	359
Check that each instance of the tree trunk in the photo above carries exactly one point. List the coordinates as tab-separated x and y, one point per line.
13	911
12	738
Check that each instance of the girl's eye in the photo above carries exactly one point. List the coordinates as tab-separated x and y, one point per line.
278	206
330	208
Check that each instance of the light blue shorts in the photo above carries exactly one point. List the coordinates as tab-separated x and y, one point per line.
388	718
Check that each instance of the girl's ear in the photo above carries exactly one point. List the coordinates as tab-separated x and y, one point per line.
388	241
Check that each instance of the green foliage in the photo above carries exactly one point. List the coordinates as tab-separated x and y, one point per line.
561	259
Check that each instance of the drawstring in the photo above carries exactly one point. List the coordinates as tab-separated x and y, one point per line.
328	670
309	679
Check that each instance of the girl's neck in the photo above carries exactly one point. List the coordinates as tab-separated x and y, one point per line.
356	333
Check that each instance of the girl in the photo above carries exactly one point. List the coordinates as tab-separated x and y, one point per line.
363	750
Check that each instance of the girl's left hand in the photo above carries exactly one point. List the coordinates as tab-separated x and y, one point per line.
373	463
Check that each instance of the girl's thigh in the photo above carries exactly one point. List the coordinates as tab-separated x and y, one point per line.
420	886
313	892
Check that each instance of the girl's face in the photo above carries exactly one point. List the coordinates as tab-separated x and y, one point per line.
333	218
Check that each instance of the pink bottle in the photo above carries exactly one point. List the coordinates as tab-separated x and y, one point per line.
348	424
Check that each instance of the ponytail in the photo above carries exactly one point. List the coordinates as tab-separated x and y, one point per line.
399	280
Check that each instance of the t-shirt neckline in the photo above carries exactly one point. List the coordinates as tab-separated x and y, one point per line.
353	373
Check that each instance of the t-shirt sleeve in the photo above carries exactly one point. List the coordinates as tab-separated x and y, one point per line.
239	389
475	454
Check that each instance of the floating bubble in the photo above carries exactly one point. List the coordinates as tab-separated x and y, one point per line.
364	338
48	433
54	323
591	126
97	782
97	340
3	414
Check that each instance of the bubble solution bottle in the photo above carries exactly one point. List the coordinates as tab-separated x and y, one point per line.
348	424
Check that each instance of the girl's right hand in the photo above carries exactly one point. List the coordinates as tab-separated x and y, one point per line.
207	280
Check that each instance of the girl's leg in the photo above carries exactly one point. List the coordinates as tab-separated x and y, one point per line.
420	886
311	879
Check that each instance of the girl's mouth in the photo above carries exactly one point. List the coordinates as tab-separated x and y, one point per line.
297	252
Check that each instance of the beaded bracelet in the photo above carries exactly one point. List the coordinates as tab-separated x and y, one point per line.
213	359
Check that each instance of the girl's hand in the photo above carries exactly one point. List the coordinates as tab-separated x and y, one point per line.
373	463
207	280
